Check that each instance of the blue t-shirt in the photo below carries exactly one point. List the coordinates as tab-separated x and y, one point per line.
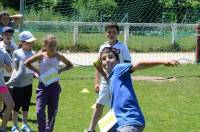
124	101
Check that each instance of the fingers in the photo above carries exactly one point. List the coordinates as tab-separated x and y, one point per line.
174	63
97	89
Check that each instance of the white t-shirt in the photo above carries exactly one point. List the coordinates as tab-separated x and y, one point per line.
124	54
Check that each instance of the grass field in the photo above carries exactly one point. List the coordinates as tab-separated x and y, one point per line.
90	42
168	106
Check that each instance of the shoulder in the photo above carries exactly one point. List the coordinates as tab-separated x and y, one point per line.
105	44
122	65
14	46
59	55
15	52
122	68
33	52
2	44
39	55
120	45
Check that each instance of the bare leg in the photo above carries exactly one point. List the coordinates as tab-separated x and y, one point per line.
25	116
7	99
96	116
14	117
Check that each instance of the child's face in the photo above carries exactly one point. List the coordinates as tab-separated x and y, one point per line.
7	36
51	46
108	61
27	45
112	34
4	20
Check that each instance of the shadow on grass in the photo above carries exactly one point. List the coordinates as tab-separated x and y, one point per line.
34	121
9	128
32	104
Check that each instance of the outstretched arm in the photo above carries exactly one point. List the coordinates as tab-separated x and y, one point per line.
148	64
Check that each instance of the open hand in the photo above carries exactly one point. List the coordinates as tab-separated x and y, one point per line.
172	63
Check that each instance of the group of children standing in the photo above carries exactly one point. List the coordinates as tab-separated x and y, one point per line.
17	60
112	80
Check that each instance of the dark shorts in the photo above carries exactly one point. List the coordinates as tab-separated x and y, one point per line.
22	97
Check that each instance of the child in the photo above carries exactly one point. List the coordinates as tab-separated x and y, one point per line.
101	86
5	63
8	45
21	80
6	20
124	102
48	94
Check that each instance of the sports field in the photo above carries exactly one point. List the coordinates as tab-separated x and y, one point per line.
168	106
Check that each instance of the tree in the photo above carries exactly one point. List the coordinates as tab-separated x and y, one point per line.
15	4
93	10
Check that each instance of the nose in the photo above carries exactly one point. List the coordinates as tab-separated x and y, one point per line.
107	59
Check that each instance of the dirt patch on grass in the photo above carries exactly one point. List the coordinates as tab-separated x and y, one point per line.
153	78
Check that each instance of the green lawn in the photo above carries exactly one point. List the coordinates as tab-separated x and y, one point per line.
171	106
90	42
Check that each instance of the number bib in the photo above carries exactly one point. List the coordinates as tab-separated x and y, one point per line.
49	77
108	121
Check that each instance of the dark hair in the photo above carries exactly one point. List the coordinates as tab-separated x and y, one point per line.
112	25
109	50
4	13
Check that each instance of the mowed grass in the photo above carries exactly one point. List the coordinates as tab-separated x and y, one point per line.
168	106
90	42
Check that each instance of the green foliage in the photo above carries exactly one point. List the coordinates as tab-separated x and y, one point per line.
93	10
45	14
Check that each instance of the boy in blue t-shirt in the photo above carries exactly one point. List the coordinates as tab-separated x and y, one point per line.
123	99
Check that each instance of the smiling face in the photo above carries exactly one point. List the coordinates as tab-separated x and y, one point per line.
109	59
7	36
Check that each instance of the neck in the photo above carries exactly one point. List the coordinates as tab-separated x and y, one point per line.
7	42
113	42
50	53
24	49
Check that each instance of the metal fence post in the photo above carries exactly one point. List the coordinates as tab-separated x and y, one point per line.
75	35
22	12
126	34
174	33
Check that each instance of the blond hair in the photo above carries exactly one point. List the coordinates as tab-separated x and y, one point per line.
49	38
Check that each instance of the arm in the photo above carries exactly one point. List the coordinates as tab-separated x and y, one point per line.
6	63
29	61
97	80
68	64
148	64
16	76
99	71
8	68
